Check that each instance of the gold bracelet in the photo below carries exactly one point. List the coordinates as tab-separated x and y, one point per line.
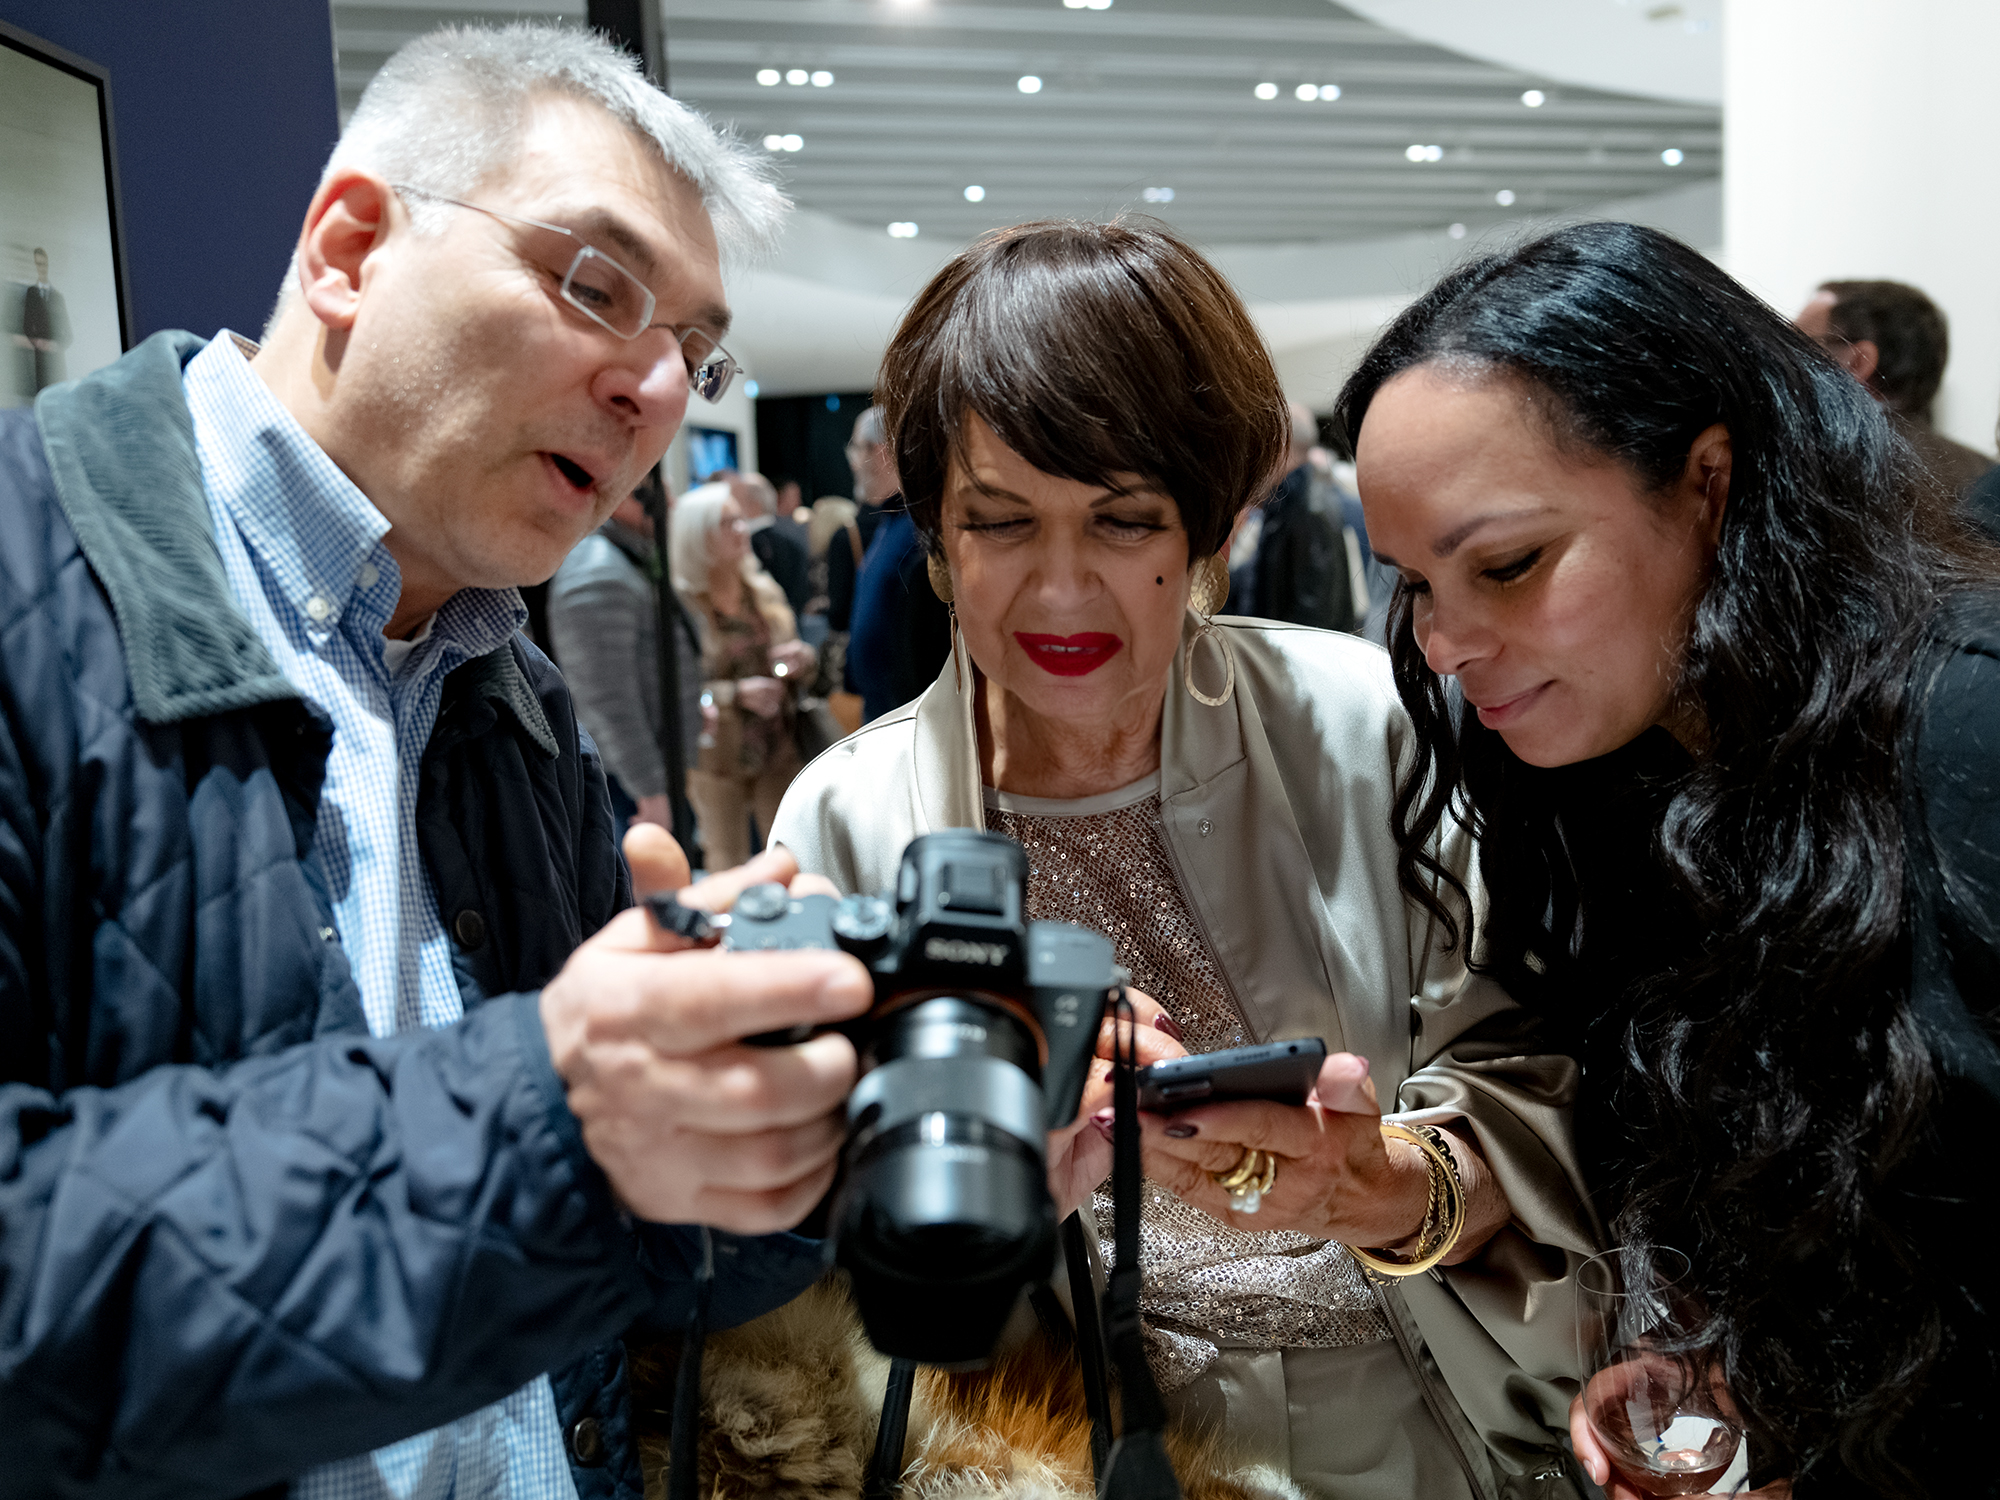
1444	1210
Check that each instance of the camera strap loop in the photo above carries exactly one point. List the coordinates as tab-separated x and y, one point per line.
1138	1468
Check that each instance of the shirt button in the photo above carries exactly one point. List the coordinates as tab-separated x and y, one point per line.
369	573
318	608
1204	828
470	928
586	1443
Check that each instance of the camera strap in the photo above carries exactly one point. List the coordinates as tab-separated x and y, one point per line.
684	1442
1138	1468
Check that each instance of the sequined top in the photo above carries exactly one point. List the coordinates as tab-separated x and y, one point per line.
1103	862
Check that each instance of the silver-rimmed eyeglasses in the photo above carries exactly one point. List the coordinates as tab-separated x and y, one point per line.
610	296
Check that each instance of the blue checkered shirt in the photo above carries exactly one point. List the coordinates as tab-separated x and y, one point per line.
303	551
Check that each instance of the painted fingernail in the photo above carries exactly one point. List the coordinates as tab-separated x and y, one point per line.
1180	1132
1166	1023
1103	1117
1101	1125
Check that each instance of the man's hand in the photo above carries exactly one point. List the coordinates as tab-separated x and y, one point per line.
690	1125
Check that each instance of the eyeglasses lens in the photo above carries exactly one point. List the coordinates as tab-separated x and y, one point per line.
604	290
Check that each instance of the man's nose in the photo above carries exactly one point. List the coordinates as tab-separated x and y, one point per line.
649	387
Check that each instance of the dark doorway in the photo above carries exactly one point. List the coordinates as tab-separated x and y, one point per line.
804	438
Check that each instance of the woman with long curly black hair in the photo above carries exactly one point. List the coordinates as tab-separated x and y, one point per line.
1700	651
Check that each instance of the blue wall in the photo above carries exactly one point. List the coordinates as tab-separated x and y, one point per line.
225	112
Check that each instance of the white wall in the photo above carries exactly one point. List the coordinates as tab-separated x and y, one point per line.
1860	141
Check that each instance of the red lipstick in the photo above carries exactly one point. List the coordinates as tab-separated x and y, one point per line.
1070	655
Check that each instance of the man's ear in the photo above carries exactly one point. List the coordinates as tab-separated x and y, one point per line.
349	217
1862	359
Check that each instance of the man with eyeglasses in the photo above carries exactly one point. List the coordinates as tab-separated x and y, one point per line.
343	1099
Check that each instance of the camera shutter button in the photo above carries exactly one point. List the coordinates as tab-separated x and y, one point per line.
763	903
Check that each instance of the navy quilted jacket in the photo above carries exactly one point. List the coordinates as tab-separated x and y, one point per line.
238	1235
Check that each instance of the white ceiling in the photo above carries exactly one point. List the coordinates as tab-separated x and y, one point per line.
1314	209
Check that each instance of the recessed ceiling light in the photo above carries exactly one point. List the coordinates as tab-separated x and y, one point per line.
1266	91
1028	83
797	76
750	389
1158	195
769	76
1672	156
822	79
1307	91
902	229
784	142
1329	91
1457	231
1424	153
975	194
1505	197
1534	98
1086	4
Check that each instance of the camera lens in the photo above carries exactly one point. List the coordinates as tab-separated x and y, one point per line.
945	1216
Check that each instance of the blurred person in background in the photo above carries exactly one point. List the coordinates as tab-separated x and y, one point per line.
774	537
1300	573
792	504
604	621
874	470
1895	340
753	667
899	631
832	531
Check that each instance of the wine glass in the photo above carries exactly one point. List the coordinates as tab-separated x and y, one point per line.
1658	1412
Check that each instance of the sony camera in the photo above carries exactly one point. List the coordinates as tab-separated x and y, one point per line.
977	1045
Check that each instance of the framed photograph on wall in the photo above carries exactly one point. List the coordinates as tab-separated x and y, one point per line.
64	307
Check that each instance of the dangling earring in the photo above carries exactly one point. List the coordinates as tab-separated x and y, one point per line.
940	574
1206	594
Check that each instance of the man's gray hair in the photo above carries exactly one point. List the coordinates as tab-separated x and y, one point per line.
447	111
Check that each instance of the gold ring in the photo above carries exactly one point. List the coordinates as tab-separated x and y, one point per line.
1248	1166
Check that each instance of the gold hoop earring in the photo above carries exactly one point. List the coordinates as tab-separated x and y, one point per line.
940	572
1206	594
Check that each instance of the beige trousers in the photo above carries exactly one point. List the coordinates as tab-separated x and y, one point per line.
721	805
1345	1424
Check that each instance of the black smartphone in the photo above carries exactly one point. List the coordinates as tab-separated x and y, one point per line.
1281	1072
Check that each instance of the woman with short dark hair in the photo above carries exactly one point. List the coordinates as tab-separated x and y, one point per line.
1079	412
1688	633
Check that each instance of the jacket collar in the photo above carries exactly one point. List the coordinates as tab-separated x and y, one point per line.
120	445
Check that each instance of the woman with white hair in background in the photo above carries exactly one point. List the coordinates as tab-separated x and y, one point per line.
752	665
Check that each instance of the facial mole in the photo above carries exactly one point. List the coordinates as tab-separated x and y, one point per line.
1159	580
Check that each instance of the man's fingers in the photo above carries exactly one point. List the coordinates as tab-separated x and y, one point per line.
685	1003
815	885
718	892
769	1212
656	860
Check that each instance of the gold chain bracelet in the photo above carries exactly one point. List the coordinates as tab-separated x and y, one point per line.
1444	1209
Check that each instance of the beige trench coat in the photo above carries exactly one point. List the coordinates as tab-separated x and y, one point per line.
1276	809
